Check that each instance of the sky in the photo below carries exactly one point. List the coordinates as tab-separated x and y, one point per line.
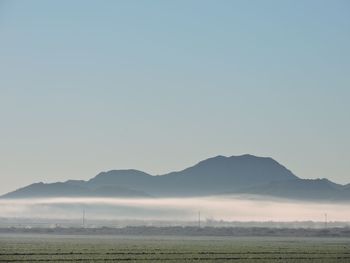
89	86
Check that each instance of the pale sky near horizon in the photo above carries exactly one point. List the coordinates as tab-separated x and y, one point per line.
89	86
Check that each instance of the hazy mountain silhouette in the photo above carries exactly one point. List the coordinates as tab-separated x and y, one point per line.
212	176
304	189
71	189
221	173
218	175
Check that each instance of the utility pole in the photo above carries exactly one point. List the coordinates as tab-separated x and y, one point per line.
83	217
325	220
199	219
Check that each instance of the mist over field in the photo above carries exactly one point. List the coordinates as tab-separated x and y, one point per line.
232	208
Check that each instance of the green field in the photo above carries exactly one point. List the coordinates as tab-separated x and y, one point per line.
45	248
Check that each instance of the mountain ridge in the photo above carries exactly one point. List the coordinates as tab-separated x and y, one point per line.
213	176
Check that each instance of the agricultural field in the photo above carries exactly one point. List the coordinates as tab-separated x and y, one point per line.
55	248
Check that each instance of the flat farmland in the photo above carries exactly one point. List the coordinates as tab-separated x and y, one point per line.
56	248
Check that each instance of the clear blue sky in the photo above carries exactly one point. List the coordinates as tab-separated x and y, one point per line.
88	86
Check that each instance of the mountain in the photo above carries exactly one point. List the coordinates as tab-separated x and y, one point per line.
71	189
219	174
303	189
212	176
246	174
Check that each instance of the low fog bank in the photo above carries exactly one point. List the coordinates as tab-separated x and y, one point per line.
212	209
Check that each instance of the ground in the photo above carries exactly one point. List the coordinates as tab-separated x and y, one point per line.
64	248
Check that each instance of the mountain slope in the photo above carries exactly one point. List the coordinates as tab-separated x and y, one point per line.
68	189
218	175
211	176
303	189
